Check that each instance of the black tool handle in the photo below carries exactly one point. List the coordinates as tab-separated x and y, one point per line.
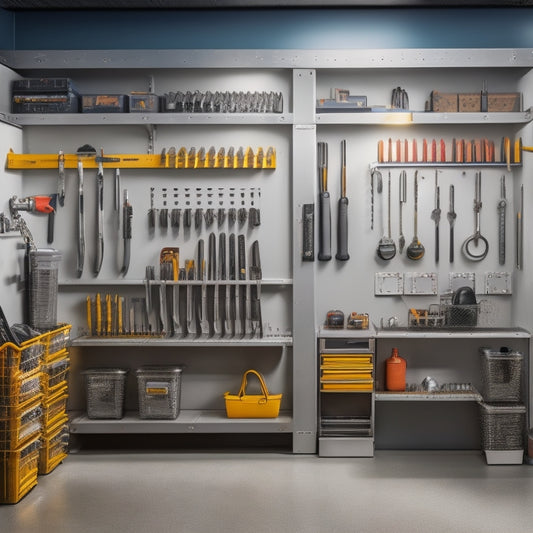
242	257
342	231
451	245
437	247
50	233
308	245
324	253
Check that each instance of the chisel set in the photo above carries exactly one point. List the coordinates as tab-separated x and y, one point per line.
454	151
217	294
196	207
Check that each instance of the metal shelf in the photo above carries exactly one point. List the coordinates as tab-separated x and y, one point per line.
404	118
470	396
172	341
188	421
479	333
131	119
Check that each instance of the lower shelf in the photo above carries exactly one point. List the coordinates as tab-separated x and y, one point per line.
188	421
437	396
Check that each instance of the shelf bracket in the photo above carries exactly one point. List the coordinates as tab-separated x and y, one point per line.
152	130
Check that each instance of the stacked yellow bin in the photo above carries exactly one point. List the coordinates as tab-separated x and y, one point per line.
20	417
54	375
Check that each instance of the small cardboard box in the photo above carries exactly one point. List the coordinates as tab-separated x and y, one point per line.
444	102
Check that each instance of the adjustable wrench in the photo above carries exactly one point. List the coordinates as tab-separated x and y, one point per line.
502	204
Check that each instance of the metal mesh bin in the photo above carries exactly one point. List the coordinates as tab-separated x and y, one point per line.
159	391
105	389
501	375
502	426
43	288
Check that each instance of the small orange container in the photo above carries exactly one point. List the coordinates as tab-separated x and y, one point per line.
395	372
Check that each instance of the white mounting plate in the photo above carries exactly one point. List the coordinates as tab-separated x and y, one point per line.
420	283
498	283
462	279
388	284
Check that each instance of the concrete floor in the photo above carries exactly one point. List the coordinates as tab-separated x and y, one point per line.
430	492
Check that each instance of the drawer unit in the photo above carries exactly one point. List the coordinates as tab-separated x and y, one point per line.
345	394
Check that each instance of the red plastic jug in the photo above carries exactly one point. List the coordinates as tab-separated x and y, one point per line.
395	372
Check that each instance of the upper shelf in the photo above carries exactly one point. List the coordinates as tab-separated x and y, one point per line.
401	118
154	119
44	60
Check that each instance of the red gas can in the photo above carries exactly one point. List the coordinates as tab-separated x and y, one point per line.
395	372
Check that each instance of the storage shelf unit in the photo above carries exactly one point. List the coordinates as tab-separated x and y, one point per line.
188	421
314	287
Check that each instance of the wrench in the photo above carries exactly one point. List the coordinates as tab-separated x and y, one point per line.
435	215
403	199
502	204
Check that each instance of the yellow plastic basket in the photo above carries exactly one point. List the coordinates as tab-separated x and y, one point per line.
54	405
54	446
54	373
17	393
24	424
242	405
18	471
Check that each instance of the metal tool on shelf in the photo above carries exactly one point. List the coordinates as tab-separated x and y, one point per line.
415	250
435	215
386	249
452	215
127	217
502	207
342	222
324	253
402	200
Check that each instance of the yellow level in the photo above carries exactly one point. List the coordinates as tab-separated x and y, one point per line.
183	158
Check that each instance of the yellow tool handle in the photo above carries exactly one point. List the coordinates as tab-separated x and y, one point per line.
119	313
98	314
89	315
109	314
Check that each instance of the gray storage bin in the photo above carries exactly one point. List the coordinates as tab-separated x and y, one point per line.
159	391
105	392
501	375
502	426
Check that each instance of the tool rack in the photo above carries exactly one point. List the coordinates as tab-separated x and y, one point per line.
299	293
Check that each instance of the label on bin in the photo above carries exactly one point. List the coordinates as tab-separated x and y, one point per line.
156	388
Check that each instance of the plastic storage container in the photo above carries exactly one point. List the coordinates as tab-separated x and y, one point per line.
43	288
502	430
18	471
159	391
105	389
395	372
54	446
501	375
21	426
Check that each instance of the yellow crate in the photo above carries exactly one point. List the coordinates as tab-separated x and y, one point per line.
54	446
24	424
55	341
18	471
18	393
21	361
54	406
54	373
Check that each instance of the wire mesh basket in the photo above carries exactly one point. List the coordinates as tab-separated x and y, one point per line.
502	426
44	265
501	375
105	392
159	391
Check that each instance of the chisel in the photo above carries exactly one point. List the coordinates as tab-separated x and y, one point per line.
81	221
99	219
324	253
127	216
342	228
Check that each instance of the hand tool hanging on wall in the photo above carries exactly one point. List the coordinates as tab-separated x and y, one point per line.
342	221
324	252
520	232
238	327
386	249
308	236
234	293
99	218
201	274
256	275
402	200
220	276
151	212
127	216
502	206
117	189
61	178
243	276
228	312
452	215
51	218
176	302
374	174
191	312
435	215
212	275
472	243
415	250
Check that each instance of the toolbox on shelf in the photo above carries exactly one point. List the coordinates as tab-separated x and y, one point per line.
105	392
501	375
18	471
159	391
104	103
